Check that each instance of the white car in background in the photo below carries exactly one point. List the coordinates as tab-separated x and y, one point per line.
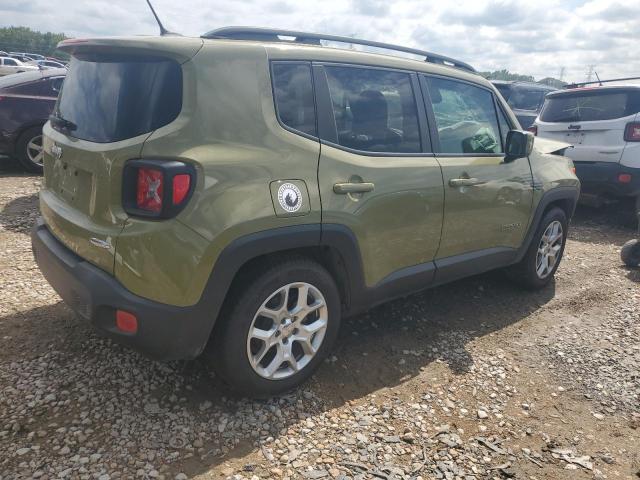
603	125
10	65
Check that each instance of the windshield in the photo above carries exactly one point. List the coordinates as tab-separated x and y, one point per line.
112	98
591	105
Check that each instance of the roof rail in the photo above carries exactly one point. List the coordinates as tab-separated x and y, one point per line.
599	82
274	35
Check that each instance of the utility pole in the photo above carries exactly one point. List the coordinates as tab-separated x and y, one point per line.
562	70
590	72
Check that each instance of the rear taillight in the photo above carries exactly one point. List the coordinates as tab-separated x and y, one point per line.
624	178
149	189
157	188
632	132
533	129
181	186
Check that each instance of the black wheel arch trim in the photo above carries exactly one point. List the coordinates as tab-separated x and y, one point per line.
557	194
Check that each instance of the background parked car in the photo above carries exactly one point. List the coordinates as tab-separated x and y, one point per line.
524	98
10	65
32	56
26	101
20	57
603	125
46	64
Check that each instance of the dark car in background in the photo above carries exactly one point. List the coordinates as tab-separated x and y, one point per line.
26	101
524	98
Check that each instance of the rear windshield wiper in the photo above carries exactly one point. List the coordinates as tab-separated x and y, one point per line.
58	121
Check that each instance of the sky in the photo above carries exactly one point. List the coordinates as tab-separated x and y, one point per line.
539	37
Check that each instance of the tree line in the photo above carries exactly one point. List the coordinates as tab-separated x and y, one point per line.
23	39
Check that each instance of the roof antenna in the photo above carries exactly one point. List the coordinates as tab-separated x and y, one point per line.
163	31
599	81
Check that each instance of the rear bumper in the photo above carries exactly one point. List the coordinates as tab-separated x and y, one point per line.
602	178
164	332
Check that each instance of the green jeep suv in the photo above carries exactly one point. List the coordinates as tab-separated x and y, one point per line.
245	190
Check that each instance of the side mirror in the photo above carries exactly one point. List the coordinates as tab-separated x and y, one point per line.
519	144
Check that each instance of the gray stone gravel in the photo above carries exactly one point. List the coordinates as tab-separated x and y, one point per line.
475	380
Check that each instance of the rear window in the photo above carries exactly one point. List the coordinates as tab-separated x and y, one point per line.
112	98
526	99
293	93
590	105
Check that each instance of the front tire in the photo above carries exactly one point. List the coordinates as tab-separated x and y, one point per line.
277	328
29	150
539	264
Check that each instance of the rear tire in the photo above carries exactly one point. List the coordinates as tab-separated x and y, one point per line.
29	150
630	253
270	339
539	264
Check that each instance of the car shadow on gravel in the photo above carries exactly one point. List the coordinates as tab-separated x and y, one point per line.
385	347
20	214
604	225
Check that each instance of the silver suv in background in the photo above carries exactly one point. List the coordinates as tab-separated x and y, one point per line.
603	125
524	98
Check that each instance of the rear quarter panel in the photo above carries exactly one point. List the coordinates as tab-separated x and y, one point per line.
229	131
550	171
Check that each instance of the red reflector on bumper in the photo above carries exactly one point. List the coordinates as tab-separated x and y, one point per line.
127	322
624	178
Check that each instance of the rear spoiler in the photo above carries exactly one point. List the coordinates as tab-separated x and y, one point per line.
183	48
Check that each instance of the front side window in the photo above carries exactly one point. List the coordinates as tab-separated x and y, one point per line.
465	117
9	61
374	110
293	92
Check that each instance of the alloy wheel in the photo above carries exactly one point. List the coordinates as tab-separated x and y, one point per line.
35	150
549	249
287	331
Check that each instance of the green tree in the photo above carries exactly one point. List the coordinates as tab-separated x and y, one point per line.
506	75
23	39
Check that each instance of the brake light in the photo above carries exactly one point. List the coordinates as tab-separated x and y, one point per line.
150	187
624	178
533	129
181	184
632	132
157	188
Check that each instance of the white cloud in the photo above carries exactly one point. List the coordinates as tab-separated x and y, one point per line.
535	38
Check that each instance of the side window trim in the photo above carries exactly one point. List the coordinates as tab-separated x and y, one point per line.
500	111
275	102
432	118
327	129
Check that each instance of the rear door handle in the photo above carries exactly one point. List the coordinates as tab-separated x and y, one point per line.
344	188
464	182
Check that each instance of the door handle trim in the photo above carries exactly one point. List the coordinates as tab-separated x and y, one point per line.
464	182
344	188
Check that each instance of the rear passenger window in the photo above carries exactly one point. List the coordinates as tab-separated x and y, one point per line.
374	110
465	117
293	93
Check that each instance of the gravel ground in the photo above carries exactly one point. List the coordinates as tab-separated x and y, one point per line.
472	380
